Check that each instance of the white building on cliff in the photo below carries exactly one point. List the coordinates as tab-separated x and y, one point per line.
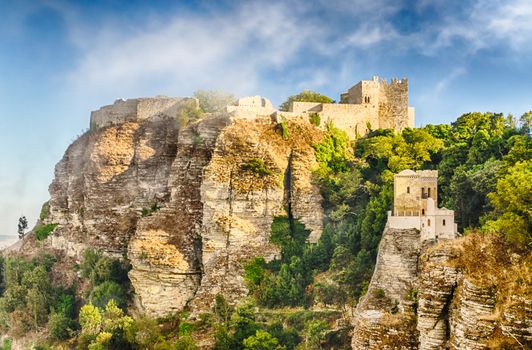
415	206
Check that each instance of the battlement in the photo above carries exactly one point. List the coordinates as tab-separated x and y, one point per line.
136	109
368	104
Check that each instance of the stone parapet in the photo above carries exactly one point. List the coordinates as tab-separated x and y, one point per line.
136	109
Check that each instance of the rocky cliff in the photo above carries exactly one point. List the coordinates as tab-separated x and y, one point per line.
470	293
187	204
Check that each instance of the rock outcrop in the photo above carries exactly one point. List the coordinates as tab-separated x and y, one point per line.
467	294
385	315
187	203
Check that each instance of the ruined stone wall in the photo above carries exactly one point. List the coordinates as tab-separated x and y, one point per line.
351	118
136	109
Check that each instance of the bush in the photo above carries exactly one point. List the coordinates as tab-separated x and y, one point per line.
6	345
107	291
283	128
43	231
305	96
60	326
379	293
185	343
314	119
257	167
148	211
45	211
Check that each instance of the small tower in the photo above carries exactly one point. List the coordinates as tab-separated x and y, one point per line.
415	205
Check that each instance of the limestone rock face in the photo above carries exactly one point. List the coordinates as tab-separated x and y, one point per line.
105	179
385	317
459	294
188	205
239	203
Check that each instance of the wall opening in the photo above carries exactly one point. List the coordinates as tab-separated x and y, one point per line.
422	211
408	189
443	222
428	222
429	192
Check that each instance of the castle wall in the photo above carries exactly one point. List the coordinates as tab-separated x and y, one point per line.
140	109
351	118
117	113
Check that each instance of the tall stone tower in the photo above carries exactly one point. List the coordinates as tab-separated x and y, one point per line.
387	102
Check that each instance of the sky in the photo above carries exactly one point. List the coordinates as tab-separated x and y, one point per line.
59	60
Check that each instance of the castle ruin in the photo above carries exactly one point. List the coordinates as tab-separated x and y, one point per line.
374	104
415	198
370	104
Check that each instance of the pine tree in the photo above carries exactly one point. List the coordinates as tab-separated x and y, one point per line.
22	226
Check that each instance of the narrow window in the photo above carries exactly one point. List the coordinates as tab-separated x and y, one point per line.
368	99
422	192
443	223
428	191
408	189
422	211
428	222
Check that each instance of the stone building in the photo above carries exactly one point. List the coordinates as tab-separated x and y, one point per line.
415	205
369	104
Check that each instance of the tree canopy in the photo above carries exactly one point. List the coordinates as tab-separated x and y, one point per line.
305	96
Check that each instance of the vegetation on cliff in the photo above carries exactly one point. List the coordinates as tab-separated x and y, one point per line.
484	162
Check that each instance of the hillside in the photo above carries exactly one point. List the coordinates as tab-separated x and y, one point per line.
228	229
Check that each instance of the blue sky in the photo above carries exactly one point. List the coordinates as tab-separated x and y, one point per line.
61	59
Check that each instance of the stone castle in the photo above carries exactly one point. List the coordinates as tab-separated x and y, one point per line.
415	201
370	104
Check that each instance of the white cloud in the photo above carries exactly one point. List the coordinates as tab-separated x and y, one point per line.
186	52
488	24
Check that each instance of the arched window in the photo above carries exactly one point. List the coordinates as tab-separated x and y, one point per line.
428	222
428	192
443	222
422	211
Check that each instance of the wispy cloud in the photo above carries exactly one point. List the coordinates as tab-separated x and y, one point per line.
185	52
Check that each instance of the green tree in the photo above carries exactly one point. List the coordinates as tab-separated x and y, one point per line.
512	202
305	96
60	326
103	293
262	340
22	226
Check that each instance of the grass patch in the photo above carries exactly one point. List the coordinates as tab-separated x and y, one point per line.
43	231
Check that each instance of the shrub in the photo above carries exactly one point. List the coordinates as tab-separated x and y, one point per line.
45	211
43	231
257	167
379	293
148	211
283	128
107	291
60	326
6	345
185	343
305	96
314	118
